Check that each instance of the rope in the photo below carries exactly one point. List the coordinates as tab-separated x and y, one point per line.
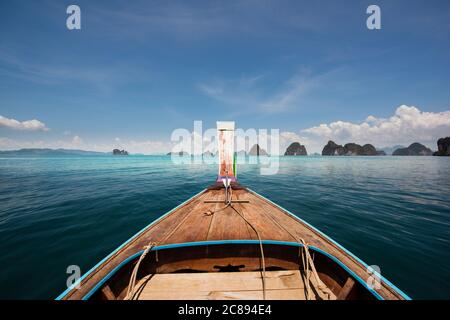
307	261
320	284
261	249
230	204
130	291
263	261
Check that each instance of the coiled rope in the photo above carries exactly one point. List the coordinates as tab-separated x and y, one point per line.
130	291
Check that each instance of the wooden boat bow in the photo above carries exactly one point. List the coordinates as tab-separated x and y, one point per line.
192	225
216	245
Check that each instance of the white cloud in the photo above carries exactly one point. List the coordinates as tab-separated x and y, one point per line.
407	125
77	141
104	78
250	95
290	96
211	19
147	146
287	137
28	125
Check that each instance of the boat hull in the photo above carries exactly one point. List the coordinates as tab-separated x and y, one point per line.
203	235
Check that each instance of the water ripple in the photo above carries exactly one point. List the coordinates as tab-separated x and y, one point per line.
54	212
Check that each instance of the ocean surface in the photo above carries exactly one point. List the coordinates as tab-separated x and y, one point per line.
393	212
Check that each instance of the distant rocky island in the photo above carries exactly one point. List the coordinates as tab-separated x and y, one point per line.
350	149
415	149
443	147
208	154
390	150
256	150
117	152
37	152
296	149
180	153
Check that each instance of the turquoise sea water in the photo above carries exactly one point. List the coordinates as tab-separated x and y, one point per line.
393	212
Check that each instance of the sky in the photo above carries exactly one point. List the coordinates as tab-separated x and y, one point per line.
138	70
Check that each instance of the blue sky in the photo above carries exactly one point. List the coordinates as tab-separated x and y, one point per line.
137	70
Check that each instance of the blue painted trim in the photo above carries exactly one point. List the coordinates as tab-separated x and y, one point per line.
400	292
190	244
109	275
124	244
225	242
361	281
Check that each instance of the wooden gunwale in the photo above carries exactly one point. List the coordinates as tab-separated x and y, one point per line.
191	223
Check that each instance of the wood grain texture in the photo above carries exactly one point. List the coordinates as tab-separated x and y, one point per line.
198	220
345	291
286	285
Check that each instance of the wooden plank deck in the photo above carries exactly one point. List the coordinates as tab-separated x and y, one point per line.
280	285
197	220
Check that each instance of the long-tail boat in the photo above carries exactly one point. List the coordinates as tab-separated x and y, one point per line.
229	242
